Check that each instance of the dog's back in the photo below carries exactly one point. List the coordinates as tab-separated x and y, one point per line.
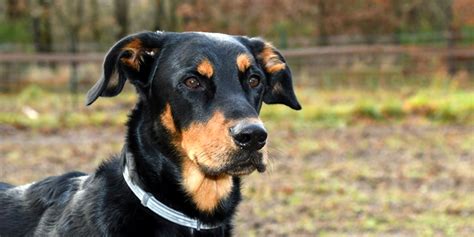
27	205
5	186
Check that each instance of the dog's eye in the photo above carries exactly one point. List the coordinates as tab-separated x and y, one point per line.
254	81
192	83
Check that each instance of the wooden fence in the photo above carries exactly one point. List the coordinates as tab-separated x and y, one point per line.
289	53
313	60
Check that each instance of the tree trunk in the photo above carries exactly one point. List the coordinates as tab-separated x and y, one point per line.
158	15
42	33
398	17
322	15
165	17
121	15
16	9
453	37
96	31
75	28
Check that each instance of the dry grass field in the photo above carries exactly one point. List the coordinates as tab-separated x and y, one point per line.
352	163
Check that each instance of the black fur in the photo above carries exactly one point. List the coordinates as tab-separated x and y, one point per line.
101	204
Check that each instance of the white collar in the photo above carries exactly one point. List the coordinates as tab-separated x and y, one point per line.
161	209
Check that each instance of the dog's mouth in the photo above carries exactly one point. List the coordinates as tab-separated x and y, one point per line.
239	164
247	164
246	169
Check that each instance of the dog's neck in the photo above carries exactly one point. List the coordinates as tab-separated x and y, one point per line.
159	169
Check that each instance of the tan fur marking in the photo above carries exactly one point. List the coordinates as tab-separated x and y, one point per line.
167	120
135	47
243	62
271	61
204	144
206	192
207	142
205	68
275	68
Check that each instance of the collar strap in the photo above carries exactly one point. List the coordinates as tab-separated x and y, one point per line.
161	209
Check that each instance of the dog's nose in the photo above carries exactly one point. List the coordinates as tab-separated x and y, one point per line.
249	136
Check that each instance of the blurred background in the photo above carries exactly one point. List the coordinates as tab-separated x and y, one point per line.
384	145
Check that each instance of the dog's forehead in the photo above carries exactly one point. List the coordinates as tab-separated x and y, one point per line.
189	49
205	42
221	38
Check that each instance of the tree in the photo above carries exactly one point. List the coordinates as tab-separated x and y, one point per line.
72	17
16	9
165	16
121	16
322	18
42	32
96	31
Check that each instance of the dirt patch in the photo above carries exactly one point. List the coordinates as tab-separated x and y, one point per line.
393	180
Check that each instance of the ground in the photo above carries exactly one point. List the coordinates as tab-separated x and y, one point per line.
404	178
353	162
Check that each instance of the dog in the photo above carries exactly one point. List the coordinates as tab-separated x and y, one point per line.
193	134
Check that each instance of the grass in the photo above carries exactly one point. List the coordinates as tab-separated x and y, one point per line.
351	163
370	180
39	109
345	106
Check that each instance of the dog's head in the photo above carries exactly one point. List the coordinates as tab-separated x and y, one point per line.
206	90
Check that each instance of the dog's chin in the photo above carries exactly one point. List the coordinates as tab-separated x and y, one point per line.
246	168
239	164
241	171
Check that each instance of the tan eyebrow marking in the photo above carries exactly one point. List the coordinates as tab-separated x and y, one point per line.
243	62
205	68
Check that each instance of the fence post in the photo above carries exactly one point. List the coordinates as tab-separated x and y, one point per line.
73	84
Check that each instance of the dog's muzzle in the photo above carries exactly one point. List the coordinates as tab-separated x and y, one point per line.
250	136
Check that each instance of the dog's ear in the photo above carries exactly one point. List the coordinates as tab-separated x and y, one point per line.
130	58
279	85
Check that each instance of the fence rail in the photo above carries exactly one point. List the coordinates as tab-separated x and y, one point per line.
409	50
51	57
289	53
320	66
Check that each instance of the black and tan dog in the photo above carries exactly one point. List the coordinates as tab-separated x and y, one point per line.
193	133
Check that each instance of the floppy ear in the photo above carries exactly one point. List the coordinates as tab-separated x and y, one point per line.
130	58
279	85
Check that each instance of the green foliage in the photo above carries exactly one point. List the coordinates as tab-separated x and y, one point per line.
18	31
366	109
441	102
31	93
444	106
392	109
467	33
